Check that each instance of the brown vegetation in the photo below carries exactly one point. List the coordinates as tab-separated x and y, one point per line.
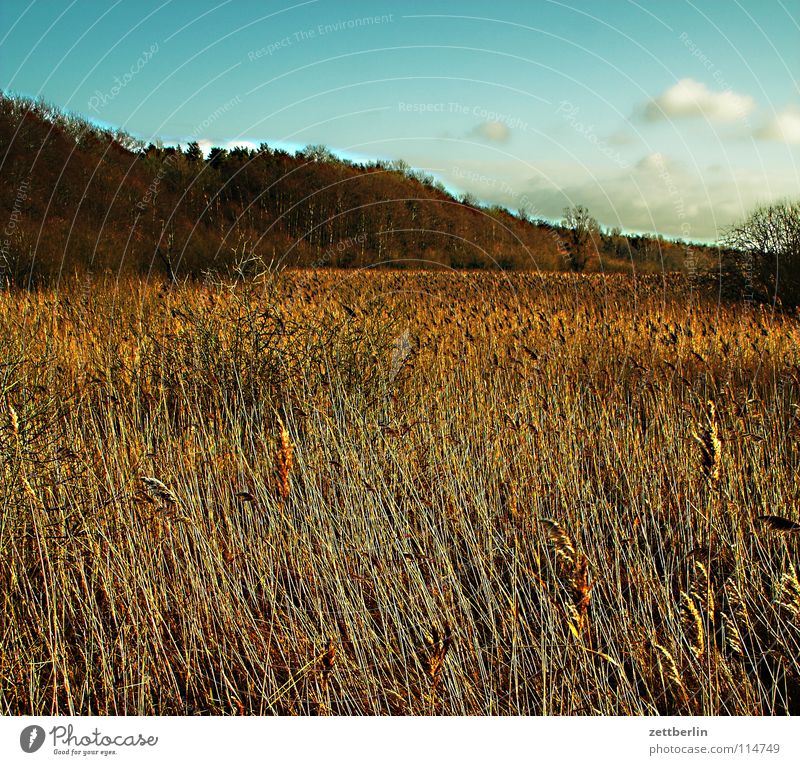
531	508
87	200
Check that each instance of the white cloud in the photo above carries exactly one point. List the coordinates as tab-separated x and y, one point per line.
621	138
658	193
783	127
497	132
689	98
665	195
655	163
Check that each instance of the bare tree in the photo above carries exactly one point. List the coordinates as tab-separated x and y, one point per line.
584	234
318	153
764	261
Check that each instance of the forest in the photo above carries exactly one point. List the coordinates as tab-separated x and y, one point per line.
79	198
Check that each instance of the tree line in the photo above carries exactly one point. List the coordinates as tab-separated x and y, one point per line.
99	199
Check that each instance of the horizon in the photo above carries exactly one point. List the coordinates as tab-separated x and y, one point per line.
359	160
701	128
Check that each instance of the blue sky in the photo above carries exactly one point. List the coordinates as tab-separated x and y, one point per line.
674	117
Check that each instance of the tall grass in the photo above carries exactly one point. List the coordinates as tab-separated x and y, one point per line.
531	509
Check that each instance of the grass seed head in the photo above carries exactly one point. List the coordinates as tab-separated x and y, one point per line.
562	544
13	419
669	668
284	460
693	624
732	638
159	490
438	644
710	446
787	593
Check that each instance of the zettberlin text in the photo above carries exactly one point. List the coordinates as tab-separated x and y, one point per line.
678	731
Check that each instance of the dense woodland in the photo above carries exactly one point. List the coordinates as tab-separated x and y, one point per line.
75	197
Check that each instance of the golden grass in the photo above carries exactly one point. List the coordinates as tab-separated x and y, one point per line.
466	494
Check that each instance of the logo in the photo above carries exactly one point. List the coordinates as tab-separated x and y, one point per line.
31	738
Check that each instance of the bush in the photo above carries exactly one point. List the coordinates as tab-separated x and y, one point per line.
763	261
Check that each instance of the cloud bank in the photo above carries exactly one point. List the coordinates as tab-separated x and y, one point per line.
659	193
784	127
495	132
691	99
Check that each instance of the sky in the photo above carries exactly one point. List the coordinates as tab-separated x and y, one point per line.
674	117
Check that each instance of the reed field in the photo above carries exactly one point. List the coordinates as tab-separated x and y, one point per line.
331	492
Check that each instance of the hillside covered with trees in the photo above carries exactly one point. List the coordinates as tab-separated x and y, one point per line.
76	197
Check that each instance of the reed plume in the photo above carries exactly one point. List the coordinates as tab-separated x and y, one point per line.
787	592
669	669
710	446
13	419
159	490
693	625
732	638
284	459
327	663
574	569
438	645
562	544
